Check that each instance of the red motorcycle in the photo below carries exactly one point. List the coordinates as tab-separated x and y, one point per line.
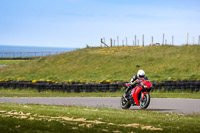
138	95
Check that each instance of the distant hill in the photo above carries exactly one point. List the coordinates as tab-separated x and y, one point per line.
115	64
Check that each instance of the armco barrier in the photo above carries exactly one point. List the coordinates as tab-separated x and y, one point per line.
193	85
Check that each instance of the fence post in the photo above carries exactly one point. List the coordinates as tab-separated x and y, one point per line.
143	40
118	40
193	40
126	42
152	41
110	42
101	42
163	39
199	40
172	40
187	38
135	40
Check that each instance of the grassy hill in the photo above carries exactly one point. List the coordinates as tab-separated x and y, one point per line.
115	64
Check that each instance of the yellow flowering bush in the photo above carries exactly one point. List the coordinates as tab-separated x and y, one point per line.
34	81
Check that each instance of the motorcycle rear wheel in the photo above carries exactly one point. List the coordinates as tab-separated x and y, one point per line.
125	104
144	103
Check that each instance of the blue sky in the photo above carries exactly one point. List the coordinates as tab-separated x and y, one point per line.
75	23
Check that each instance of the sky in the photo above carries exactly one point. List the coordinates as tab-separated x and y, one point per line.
77	23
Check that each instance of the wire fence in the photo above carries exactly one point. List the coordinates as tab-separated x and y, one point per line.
28	54
140	41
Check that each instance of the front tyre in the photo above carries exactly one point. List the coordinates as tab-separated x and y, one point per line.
125	104
144	103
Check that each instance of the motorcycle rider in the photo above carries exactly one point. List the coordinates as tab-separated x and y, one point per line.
140	74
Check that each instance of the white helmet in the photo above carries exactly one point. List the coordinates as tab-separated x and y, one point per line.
140	73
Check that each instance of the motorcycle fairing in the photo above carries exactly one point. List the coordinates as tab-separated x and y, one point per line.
135	93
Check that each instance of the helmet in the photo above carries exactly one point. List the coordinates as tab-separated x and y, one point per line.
140	73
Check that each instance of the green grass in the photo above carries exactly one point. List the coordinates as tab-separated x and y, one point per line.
51	119
35	93
115	64
9	62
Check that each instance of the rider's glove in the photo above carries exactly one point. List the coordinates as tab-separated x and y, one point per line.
144	86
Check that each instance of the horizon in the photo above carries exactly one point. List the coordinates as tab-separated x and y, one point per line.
10	45
77	23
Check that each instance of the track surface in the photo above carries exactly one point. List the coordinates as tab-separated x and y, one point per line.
183	106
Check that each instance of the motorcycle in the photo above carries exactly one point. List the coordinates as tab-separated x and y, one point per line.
138	95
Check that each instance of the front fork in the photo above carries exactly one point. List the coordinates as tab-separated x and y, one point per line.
143	93
125	95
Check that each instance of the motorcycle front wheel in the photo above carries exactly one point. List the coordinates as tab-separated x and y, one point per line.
144	103
124	103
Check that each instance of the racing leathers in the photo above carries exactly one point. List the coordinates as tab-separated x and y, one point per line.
133	84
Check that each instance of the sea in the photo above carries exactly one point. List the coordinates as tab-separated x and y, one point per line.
31	51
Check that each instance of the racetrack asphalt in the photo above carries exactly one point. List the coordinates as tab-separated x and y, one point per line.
182	106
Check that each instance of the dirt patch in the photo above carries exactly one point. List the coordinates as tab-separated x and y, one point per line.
116	131
135	125
151	128
86	123
104	130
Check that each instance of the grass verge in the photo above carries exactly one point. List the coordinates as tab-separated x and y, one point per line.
35	93
40	118
8	62
113	63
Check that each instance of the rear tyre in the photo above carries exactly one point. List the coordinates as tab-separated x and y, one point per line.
124	103
144	103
